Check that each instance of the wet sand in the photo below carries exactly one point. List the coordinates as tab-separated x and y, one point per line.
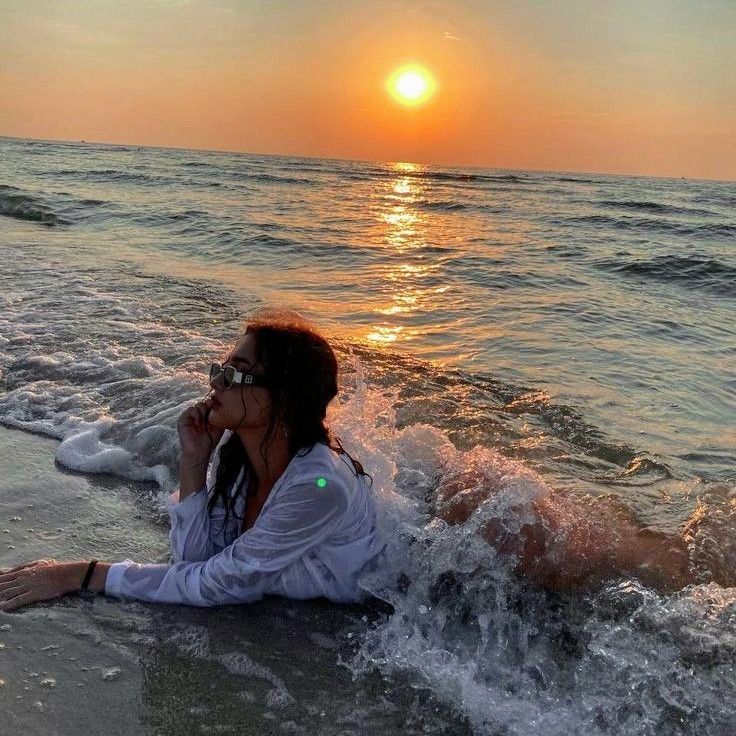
109	667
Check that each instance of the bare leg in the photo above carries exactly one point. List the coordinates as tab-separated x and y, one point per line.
585	544
570	545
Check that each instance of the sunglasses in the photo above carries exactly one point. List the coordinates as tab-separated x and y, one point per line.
225	376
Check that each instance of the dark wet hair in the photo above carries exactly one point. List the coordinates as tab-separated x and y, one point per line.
302	369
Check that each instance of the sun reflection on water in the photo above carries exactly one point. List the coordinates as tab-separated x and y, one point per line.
404	229
385	333
404	167
402	186
401	218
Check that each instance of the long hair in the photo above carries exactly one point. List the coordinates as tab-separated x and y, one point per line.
302	369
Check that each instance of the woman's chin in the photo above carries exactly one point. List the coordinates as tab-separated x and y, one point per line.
222	424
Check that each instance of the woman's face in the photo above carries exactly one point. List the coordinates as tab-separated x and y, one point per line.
241	406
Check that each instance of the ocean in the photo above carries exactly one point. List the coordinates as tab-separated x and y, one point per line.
574	330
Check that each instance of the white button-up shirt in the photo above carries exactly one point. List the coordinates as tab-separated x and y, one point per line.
313	536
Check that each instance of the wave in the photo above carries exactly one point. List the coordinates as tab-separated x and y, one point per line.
454	206
23	206
273	179
657	207
724	200
166	218
714	229
372	173
694	271
577	180
642	223
114	175
440	205
113	147
479	407
463	177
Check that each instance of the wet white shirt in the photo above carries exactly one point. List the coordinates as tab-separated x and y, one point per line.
313	536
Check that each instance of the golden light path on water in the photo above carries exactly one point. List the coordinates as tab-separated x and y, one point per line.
404	231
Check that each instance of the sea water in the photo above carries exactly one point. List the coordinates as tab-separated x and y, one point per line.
558	331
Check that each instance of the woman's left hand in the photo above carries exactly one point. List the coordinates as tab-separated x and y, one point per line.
31	582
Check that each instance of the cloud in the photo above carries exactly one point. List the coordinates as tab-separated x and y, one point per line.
447	36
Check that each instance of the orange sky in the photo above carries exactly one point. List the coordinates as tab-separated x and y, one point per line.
618	86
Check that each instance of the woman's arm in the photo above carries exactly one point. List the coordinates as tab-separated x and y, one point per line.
302	517
192	477
197	532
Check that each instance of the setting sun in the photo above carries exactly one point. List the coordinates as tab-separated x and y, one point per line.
411	85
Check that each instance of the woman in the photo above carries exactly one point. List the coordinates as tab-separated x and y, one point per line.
267	501
277	509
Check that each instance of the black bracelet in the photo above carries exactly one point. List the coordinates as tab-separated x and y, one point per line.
83	590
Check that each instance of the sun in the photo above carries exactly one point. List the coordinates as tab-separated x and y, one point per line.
411	85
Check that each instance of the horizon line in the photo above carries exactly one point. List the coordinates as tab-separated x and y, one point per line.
371	161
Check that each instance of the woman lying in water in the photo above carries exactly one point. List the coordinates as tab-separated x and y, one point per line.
268	504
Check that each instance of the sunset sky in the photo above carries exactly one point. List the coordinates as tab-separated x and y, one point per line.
624	86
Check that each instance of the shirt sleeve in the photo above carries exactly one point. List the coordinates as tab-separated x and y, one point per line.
299	519
189	536
198	533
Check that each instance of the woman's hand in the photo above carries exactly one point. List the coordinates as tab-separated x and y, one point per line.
35	581
198	439
197	436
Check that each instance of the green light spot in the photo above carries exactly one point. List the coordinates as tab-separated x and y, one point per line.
321	482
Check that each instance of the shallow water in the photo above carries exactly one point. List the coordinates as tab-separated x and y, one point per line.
582	327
